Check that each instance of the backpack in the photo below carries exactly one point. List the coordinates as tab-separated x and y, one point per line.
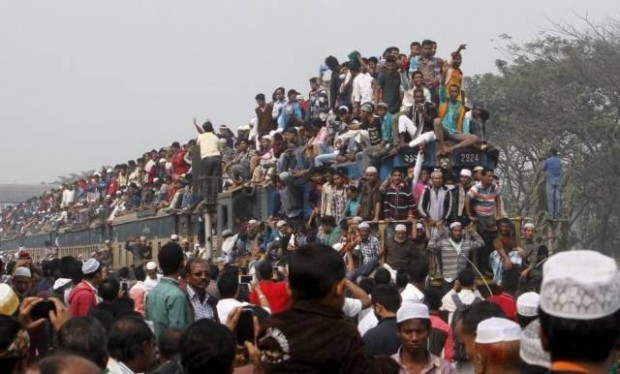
460	354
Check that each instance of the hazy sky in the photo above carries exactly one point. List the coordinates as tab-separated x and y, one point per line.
87	83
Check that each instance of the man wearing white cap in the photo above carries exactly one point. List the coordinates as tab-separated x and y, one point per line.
414	326
22	282
369	248
579	311
497	346
459	195
105	255
452	250
401	251
370	196
529	254
527	308
435	203
152	276
84	296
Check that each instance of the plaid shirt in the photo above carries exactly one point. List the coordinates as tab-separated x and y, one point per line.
369	249
202	309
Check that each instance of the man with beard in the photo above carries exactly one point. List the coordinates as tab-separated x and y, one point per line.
452	250
370	196
414	326
459	194
197	278
401	251
528	252
382	339
436	202
369	248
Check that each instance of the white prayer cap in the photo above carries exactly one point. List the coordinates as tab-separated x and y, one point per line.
337	247
151	265
412	310
283	175
226	233
466	173
174	237
266	137
363	225
496	330
419	225
580	284
22	272
529	225
531	350
281	223
358	220
437	172
400	227
244	128
527	304
143	237
478	168
252	222
371	170
455	224
107	242
90	266
9	302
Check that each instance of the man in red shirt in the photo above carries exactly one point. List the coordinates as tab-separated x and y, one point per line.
506	299
277	293
84	296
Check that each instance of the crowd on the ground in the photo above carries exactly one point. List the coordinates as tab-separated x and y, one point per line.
184	314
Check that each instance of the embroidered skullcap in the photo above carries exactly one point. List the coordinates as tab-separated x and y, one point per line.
9	302
22	272
412	310
455	224
371	170
527	304
400	227
466	173
496	330
529	225
364	225
151	265
531	350
580	284
90	266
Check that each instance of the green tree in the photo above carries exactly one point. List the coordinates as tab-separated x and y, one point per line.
560	91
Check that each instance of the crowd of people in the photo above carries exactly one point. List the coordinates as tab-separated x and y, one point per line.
189	315
418	273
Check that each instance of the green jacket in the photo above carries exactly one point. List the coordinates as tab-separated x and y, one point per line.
167	306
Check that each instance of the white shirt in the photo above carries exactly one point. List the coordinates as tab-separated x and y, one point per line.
225	306
149	283
408	98
351	307
467	297
362	88
368	322
412	293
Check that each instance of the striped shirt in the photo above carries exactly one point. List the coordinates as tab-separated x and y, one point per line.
451	258
483	198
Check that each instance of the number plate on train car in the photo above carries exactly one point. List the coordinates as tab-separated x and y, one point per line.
469	158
